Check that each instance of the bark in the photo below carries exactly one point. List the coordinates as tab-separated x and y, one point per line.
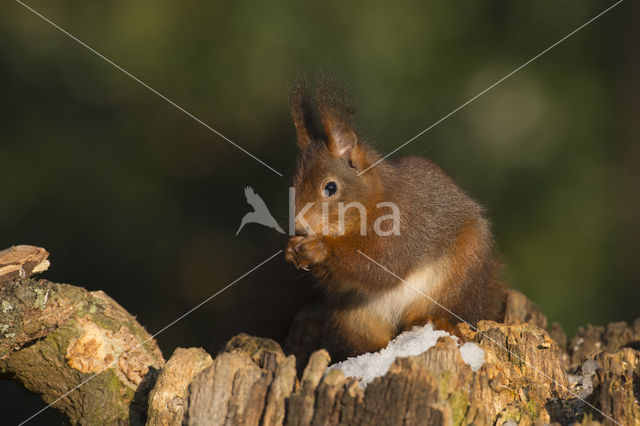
54	336
22	261
166	400
528	377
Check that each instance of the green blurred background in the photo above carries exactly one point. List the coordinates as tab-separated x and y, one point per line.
133	197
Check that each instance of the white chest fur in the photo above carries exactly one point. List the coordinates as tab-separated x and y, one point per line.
420	285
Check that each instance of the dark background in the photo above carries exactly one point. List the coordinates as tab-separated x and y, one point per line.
133	197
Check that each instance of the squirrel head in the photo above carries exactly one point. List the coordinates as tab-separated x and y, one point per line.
332	158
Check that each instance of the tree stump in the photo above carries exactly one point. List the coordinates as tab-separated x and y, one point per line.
55	338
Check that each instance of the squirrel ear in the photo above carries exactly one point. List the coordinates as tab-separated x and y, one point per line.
301	111
342	142
336	116
340	138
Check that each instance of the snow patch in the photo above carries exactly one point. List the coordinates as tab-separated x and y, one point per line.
410	343
473	355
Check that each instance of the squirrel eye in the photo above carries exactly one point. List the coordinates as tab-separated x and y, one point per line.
330	188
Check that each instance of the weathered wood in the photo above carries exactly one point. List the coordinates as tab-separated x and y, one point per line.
590	341
55	336
523	380
434	388
22	261
617	385
167	400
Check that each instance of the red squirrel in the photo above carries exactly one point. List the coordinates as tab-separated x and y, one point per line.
442	246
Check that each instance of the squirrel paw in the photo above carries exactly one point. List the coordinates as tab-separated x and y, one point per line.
305	251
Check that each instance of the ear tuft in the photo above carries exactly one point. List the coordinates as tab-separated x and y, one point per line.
330	119
336	115
334	101
301	106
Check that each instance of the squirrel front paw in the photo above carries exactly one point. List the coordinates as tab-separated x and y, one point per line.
306	251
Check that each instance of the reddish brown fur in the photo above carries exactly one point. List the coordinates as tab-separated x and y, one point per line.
445	244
